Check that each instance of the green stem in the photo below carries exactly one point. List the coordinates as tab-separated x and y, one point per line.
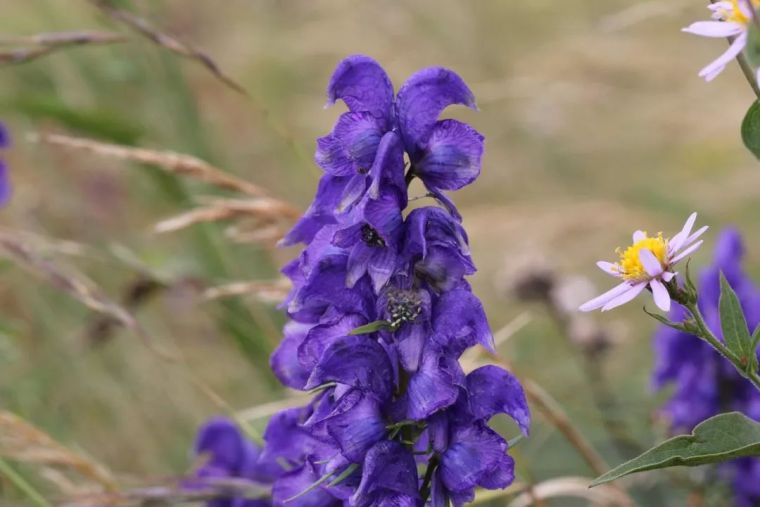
707	335
428	480
22	484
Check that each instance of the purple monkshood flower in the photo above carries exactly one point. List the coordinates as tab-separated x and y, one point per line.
381	312
227	454
705	384
366	148
5	186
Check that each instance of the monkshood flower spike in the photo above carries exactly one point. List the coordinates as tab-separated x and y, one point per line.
381	312
730	18
648	262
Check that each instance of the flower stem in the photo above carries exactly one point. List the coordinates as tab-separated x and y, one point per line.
428	480
704	332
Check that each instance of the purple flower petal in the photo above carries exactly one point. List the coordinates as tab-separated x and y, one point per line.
285	362
389	477
476	455
355	361
451	157
363	85
388	167
295	482
352	145
320	337
434	386
459	322
356	424
5	138
714	68
677	241
493	390
222	441
422	99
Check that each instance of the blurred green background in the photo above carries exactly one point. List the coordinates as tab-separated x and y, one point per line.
596	125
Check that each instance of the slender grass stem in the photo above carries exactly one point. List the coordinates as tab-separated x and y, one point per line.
7	470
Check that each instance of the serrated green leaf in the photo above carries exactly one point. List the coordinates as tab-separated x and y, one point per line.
720	438
732	321
371	327
751	129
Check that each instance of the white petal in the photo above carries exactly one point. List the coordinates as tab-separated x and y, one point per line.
661	296
650	262
694	236
714	68
668	276
609	268
714	28
605	298
623	298
686	252
677	241
638	236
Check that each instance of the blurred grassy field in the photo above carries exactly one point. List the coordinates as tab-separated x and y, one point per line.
596	125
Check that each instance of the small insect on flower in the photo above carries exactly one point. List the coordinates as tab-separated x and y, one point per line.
649	261
736	19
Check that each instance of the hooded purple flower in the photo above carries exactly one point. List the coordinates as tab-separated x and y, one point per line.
365	149
705	383
5	186
227	454
393	394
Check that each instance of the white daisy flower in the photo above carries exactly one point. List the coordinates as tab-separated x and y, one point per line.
648	262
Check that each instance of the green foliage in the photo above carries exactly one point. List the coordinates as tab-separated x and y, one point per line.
733	323
751	129
371	327
720	438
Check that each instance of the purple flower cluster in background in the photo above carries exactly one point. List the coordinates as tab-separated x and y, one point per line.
705	383
395	420
226	454
5	186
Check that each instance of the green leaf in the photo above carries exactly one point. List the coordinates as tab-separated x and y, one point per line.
665	320
371	327
732	321
751	129
753	348
720	438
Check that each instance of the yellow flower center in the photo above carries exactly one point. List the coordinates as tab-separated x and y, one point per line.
630	266
735	14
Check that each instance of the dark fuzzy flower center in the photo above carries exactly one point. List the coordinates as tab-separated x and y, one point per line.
403	306
371	237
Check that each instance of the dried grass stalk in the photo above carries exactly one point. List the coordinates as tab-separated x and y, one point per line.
268	291
70	281
166	41
255	233
265	211
22	442
169	161
32	47
172	494
572	487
